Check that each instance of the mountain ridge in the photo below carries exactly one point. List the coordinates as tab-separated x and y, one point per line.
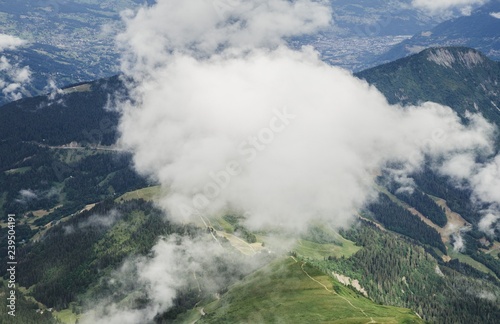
460	77
479	30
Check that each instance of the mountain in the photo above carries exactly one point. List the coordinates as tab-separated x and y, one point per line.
480	30
465	80
462	78
83	211
300	292
73	113
57	153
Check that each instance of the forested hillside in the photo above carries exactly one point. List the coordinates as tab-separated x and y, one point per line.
395	271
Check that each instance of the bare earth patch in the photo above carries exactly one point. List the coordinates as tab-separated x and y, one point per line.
346	281
455	221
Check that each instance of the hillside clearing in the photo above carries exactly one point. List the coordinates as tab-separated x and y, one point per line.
148	194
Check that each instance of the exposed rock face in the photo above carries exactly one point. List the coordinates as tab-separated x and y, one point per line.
346	281
444	57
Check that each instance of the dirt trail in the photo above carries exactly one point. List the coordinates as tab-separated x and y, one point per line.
209	226
494	248
239	244
333	292
380	227
324	286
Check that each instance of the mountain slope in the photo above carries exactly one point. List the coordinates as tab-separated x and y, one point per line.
57	156
480	30
53	65
75	113
292	291
465	80
396	271
461	78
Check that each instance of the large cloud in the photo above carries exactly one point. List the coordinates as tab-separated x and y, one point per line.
211	91
204	129
202	27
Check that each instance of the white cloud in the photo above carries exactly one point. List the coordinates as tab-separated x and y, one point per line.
486	181
101	220
13	77
483	178
495	15
26	195
444	5
96	220
466	11
488	295
152	34
459	166
458	242
489	222
175	263
10	42
194	115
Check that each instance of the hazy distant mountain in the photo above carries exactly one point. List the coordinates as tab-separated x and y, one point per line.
462	78
363	30
480	30
50	63
380	18
68	41
73	41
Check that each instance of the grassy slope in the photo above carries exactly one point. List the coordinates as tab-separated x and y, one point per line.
66	316
18	170
25	309
315	250
282	292
147	194
468	260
